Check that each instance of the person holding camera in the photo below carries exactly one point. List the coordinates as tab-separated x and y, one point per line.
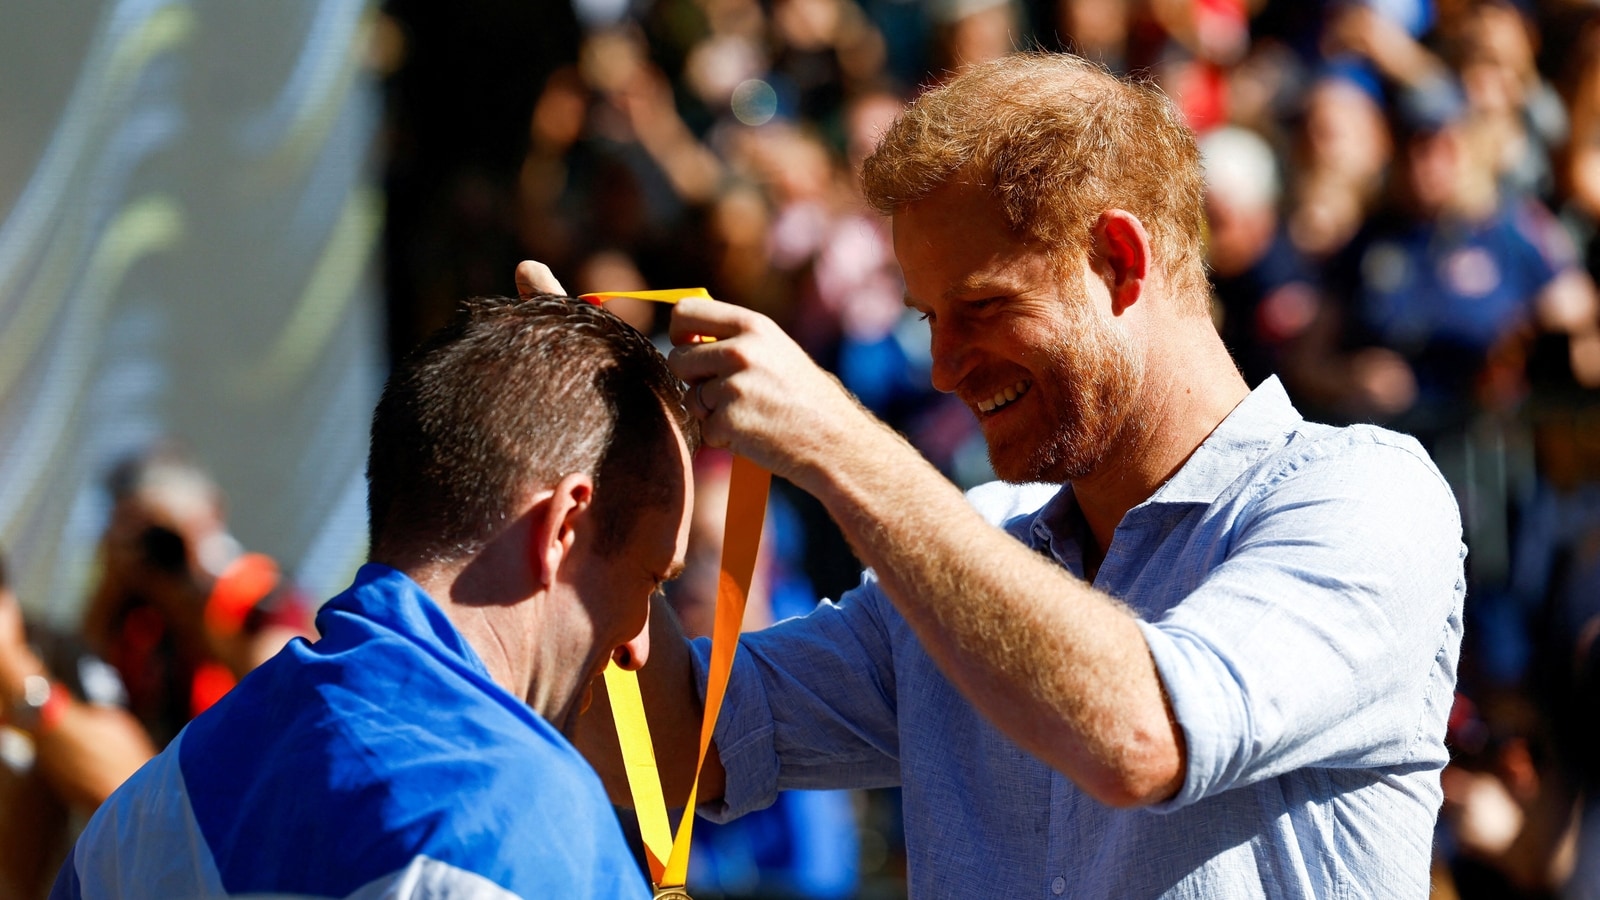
180	609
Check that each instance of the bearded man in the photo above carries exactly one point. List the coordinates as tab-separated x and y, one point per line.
1214	658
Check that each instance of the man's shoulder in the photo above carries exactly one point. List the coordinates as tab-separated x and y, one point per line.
1327	470
426	762
379	718
395	839
1359	449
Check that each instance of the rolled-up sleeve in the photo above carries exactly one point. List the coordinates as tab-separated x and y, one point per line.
810	704
1329	635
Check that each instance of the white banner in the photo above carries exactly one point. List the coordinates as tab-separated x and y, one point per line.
189	225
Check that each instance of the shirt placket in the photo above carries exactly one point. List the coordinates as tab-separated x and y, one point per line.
1058	880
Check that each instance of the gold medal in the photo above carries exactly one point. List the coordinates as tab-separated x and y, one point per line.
672	893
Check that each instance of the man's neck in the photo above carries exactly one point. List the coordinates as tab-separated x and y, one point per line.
1187	393
481	621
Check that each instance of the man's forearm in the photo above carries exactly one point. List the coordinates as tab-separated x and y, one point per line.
1062	669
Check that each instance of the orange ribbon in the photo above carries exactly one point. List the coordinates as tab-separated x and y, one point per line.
666	853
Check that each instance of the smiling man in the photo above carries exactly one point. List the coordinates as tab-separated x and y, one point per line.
529	491
1214	658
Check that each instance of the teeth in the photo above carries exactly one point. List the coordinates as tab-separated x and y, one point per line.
1002	397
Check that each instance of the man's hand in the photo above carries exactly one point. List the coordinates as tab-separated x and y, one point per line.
758	393
536	278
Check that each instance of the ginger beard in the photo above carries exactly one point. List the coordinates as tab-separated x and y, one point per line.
1084	393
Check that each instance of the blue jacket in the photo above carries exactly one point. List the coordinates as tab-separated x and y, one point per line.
381	760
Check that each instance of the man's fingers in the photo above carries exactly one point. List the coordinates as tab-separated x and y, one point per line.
696	317
536	278
695	363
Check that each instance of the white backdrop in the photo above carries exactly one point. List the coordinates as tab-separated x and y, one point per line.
188	233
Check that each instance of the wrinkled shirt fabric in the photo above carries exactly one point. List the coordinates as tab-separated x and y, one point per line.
382	762
1300	588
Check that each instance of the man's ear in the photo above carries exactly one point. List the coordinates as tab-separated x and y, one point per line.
1123	250
554	522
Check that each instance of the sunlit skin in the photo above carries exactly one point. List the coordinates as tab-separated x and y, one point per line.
609	597
545	609
620	594
1017	336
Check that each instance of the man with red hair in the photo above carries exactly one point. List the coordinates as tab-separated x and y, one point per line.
1214	657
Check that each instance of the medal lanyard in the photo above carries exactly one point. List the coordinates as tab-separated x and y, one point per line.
668	855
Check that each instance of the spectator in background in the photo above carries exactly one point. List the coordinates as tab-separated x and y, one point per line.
1579	163
1190	45
1342	151
66	743
1098	29
1262	288
1383	39
1515	117
180	609
178	615
823	52
1432	302
969	32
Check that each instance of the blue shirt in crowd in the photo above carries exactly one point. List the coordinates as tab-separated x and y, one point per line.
380	761
1300	588
1444	294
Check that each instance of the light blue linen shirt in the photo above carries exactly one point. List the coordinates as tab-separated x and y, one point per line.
1300	588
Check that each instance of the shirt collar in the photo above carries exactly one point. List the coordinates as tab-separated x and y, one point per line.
389	598
1256	426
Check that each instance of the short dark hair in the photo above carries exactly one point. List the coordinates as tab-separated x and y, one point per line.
512	396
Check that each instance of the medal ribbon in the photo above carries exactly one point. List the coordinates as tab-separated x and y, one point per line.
666	853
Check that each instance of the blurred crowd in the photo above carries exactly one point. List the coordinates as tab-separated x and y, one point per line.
1403	198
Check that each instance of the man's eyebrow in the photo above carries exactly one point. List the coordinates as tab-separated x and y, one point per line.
985	283
988	285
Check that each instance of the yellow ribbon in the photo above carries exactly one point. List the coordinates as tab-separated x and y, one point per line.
671	295
666	853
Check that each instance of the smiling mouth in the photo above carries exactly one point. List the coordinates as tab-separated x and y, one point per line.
1004	397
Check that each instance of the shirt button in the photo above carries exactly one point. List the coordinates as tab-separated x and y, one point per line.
1058	886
